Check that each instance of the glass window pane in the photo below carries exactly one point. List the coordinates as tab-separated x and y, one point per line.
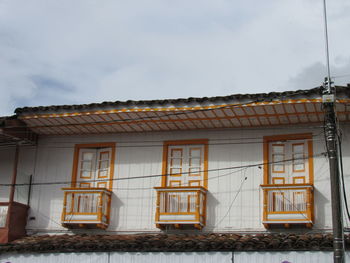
103	173
298	148
299	157
176	153
86	165
278	149
277	158
195	153
85	174
299	167
176	171
176	162
195	162
278	167
105	156
88	156
104	165
195	170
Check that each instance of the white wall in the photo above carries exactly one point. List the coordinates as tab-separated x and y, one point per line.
7	156
24	170
179	257
133	205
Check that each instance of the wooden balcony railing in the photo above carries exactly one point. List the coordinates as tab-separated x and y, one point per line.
288	204
86	207
180	206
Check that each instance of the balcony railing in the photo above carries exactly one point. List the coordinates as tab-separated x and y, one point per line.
288	204
86	207
179	206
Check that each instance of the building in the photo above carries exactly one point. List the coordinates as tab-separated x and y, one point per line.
220	176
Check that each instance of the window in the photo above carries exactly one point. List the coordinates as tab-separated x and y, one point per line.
288	180
93	165
185	163
288	159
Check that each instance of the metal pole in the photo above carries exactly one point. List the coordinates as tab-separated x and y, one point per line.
331	140
328	88
14	176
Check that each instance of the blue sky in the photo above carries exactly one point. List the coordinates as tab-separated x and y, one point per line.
81	51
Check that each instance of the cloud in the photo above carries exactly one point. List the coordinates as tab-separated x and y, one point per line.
63	52
313	75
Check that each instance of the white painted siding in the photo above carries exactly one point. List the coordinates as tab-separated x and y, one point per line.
281	257
7	155
191	257
133	201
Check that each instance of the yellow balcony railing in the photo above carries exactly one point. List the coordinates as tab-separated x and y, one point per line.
288	204
86	207
180	206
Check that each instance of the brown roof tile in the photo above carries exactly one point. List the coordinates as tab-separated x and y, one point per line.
171	243
258	97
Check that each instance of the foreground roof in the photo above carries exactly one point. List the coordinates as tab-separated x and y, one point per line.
233	111
172	243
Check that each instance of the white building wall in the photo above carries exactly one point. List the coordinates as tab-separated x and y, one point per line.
7	156
231	205
178	257
24	170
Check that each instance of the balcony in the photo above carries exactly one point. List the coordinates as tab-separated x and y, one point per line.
288	204
86	207
180	206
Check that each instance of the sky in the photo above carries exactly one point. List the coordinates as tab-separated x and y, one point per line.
83	51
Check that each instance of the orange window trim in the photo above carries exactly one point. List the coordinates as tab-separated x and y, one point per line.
275	138
185	142
77	149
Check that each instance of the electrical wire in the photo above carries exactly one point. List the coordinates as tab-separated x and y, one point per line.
233	200
340	153
160	175
210	142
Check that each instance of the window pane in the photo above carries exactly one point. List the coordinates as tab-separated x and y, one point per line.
195	153
104	165
105	156
88	156
176	162
85	174
278	149
195	170
298	148
86	165
176	153
103	173
176	171
195	162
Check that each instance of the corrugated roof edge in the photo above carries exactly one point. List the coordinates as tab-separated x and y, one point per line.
129	103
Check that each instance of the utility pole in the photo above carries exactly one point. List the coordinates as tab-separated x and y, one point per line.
329	100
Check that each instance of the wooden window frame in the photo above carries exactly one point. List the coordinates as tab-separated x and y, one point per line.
276	138
185	142
77	149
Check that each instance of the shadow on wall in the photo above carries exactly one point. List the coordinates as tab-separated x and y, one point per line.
320	208
116	206
212	203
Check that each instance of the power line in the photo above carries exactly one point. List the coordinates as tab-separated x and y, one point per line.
210	142
159	175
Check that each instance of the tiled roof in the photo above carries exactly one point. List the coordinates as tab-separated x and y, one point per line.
201	100
171	243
